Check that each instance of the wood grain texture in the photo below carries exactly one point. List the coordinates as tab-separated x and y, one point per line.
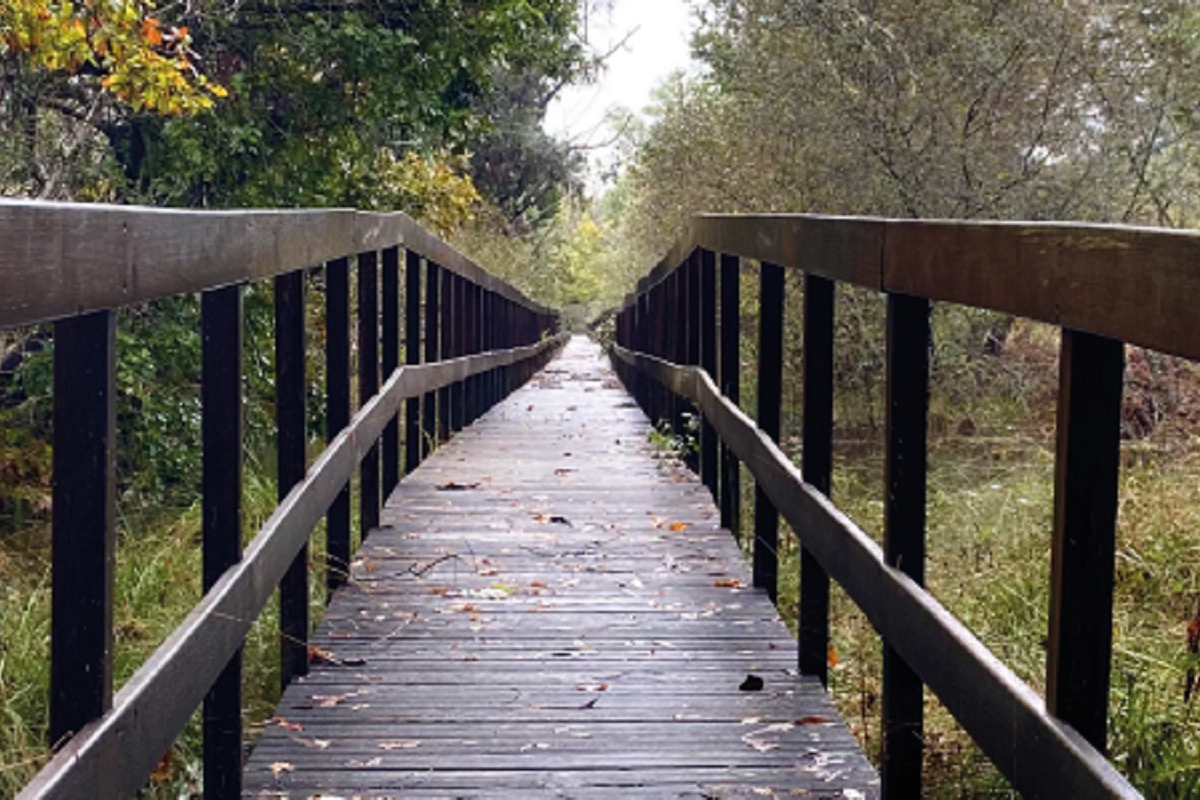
61	259
548	610
1040	755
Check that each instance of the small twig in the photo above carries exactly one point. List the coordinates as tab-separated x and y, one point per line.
420	571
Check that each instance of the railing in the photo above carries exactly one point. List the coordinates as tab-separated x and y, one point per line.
75	264
1103	285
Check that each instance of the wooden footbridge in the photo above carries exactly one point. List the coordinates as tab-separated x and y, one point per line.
545	605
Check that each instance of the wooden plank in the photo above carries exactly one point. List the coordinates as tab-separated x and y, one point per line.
112	756
1039	754
544	607
1083	552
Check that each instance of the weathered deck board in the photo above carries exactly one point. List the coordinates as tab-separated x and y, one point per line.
550	610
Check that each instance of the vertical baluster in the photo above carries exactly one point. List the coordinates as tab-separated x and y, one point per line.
731	384
708	361
412	357
433	339
221	436
1087	467
770	397
818	466
904	528
84	529
337	413
291	464
447	397
368	386
390	359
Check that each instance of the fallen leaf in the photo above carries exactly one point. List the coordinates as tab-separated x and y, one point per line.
162	770
751	720
457	487
591	687
831	656
328	700
312	744
280	767
286	724
678	526
728	583
359	763
813	720
400	744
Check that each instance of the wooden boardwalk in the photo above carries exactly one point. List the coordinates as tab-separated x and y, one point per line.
550	610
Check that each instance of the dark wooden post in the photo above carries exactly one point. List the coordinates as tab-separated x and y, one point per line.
904	529
674	317
692	353
708	361
337	413
412	356
1087	467
731	384
451	319
291	464
770	397
84	530
433	338
368	386
221	435
390	360
818	466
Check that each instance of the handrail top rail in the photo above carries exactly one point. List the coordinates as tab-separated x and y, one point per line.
60	259
1132	283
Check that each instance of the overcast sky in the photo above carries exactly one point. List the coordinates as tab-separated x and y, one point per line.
658	33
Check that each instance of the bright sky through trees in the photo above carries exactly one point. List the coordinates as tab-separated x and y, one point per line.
658	32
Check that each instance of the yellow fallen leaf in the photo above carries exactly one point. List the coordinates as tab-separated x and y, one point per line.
280	767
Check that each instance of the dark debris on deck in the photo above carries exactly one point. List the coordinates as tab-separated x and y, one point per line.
550	609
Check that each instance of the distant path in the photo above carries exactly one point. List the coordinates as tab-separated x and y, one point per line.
551	611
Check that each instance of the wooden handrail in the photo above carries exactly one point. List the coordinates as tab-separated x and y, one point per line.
1130	283
62	259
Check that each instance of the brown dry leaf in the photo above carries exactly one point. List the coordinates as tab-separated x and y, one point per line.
831	656
488	572
591	687
280	767
728	583
400	744
287	724
162	770
328	700
813	720
319	655
676	527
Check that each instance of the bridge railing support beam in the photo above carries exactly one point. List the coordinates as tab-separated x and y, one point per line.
904	529
770	394
221	432
337	412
